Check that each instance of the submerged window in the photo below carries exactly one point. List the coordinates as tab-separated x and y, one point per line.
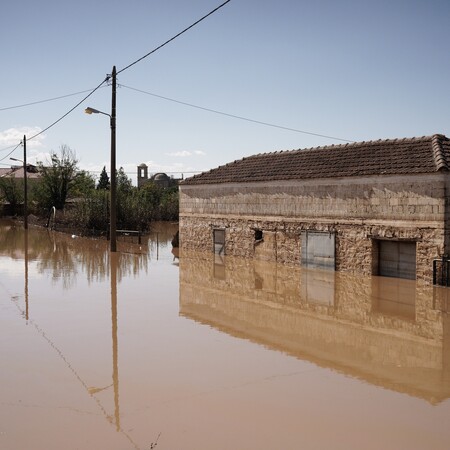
219	241
219	267
318	249
258	235
397	259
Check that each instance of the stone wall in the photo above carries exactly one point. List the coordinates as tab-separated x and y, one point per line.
359	211
418	197
356	249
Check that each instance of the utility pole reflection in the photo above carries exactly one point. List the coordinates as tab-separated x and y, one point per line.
26	271
115	375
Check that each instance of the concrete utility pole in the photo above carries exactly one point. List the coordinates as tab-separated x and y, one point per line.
25	187
113	187
113	184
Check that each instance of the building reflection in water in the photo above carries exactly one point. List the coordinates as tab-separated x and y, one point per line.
389	332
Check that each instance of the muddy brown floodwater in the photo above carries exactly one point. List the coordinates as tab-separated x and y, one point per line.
203	352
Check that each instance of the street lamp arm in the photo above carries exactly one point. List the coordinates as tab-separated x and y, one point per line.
112	189
90	110
21	161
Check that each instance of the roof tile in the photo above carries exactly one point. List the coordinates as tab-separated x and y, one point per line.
426	154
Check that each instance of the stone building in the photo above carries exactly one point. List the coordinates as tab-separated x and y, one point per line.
378	207
160	179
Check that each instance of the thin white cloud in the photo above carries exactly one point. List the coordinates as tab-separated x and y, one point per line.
43	157
13	136
185	153
182	154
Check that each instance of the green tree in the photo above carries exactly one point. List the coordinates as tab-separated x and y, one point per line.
123	182
11	190
151	195
103	182
83	184
58	178
169	205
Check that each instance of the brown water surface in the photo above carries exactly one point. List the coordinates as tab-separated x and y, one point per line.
207	352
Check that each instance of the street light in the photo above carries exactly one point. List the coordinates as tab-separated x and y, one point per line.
25	189
90	110
112	198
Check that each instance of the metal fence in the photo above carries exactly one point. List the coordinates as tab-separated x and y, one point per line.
441	271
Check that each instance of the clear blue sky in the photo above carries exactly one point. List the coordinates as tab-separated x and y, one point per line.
351	69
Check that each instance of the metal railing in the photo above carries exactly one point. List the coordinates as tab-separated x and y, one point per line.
441	271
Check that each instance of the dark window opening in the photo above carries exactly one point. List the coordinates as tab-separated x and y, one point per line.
397	259
258	235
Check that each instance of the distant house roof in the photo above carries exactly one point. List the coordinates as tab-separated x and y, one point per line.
427	154
4	172
17	172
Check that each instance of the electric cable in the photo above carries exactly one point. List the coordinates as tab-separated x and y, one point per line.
108	76
70	110
174	37
91	91
12	151
44	101
7	148
234	116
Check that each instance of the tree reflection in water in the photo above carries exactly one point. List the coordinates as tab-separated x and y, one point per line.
63	255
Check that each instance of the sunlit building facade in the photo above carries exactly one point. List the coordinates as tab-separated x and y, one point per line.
378	207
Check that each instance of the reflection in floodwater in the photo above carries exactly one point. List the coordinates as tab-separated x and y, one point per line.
64	256
104	360
113	277
387	331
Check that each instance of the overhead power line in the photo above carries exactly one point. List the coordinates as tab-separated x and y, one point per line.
105	80
7	148
234	116
91	91
70	110
174	37
12	151
44	101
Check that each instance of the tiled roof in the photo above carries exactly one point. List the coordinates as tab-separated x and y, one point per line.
6	172
17	172
427	154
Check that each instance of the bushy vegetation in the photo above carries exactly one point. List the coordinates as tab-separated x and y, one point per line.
11	191
59	177
136	208
84	204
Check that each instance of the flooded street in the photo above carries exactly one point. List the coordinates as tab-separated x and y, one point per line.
205	352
